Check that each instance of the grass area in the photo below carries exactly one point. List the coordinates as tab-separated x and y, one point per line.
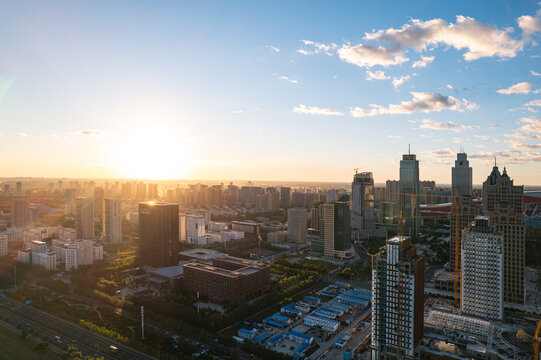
13	347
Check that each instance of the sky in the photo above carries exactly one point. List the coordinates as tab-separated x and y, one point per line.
269	90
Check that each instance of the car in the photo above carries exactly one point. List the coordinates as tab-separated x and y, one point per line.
113	349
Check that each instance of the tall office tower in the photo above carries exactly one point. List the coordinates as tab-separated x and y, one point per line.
462	175
468	210
59	186
272	201
285	197
84	218
298	199
392	189
19	211
141	191
112	220
397	300
336	230
316	215
69	207
233	190
363	222
244	194
158	234
19	188
99	194
332	195
503	203
6	190
296	225
409	191
3	245
482	270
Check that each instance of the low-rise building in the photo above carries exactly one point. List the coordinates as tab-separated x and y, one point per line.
47	259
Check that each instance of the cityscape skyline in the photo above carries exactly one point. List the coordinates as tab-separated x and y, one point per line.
440	90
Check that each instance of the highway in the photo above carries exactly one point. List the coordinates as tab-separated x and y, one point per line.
88	342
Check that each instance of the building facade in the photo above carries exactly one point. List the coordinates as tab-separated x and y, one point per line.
84	218
482	270
336	230
158	234
112	220
503	203
408	194
397	300
363	221
462	176
19	211
296	225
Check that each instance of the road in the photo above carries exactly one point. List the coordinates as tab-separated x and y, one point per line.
85	340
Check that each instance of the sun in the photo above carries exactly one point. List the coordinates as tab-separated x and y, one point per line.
151	152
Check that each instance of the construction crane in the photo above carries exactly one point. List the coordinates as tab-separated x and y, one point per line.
536	341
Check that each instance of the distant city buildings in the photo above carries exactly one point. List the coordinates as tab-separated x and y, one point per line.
296	225
363	222
3	245
409	191
397	300
158	234
503	203
482	270
285	197
84	218
462	176
69	204
99	194
112	220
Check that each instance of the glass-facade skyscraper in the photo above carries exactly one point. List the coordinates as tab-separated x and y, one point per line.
462	175
409	192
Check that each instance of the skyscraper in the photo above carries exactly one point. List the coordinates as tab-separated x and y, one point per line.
98	201
397	300
141	191
285	197
482	270
462	175
363	222
336	230
19	211
503	203
296	225
84	218
409	192
112	220
69	205
19	188
158	234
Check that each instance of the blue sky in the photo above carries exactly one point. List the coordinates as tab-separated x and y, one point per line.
268	90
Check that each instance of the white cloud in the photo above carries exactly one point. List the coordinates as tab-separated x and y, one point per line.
519	88
424	102
449	86
458	140
312	47
529	24
425	60
237	111
94	133
478	39
438	154
521	146
536	102
288	79
535	73
394	137
533	125
483	137
399	81
434	125
315	110
22	134
376	75
273	48
368	56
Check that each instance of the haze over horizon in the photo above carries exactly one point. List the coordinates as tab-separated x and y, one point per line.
267	92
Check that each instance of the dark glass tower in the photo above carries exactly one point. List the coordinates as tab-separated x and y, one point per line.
158	234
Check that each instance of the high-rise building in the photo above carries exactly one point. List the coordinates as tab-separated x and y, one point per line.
99	193
336	230
296	225
3	245
112	220
482	270
19	188
19	211
272	200
363	222
153	191
316	215
462	175
285	197
409	191
84	218
503	203
392	190
158	234
141	191
69	207
397	300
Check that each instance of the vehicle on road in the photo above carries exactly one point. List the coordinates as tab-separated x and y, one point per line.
113	349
